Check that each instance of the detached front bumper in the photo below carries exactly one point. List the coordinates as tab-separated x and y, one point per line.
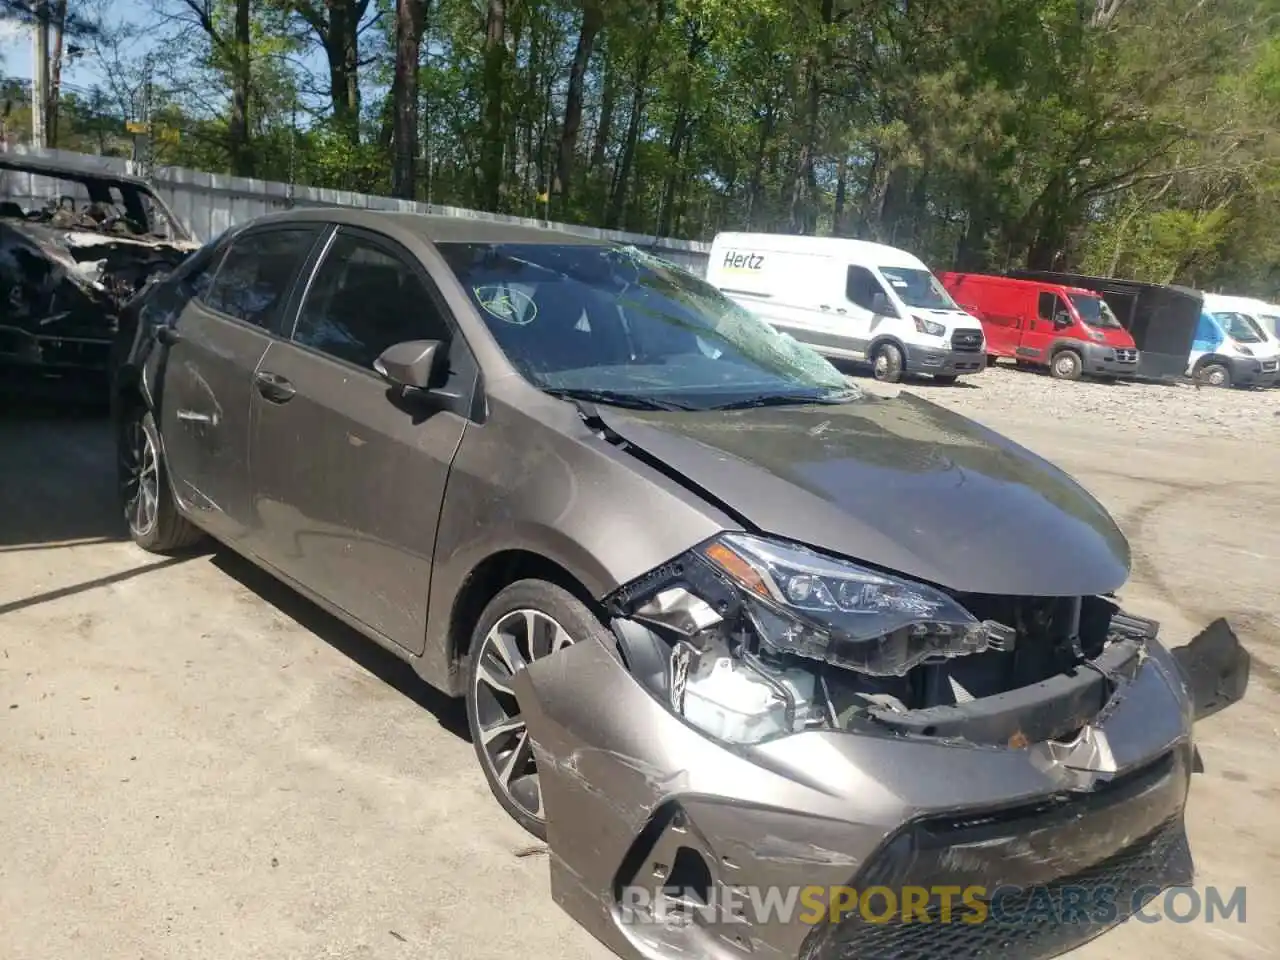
1250	372
943	362
637	801
1100	359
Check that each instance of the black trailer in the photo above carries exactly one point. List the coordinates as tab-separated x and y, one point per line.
1161	319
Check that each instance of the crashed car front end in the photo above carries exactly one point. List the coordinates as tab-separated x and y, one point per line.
779	725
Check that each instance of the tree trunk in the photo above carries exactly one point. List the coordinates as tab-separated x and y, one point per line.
604	127
618	200
242	164
803	214
592	21
57	24
757	171
495	55
410	17
842	188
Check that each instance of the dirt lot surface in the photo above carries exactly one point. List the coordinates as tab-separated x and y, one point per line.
197	763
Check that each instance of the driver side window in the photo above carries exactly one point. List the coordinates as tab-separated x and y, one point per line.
861	287
364	299
1052	307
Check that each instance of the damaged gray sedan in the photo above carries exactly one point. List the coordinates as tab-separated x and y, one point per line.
723	623
75	245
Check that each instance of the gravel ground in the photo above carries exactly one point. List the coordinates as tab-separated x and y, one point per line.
198	763
1031	398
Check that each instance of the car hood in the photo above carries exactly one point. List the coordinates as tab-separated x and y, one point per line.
898	483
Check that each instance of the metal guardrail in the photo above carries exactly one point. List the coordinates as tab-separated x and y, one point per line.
209	203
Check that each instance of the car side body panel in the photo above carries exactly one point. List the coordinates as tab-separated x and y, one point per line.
534	477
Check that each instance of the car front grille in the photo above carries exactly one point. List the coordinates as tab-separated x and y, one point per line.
967	341
1049	880
1043	922
1125	355
1270	366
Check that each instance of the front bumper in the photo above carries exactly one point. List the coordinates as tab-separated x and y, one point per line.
943	361
1101	359
636	800
1251	372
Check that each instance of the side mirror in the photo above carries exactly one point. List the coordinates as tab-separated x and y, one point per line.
1062	320
414	364
880	305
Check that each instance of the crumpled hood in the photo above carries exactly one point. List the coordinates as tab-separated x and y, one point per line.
899	483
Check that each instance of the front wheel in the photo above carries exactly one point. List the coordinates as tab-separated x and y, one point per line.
947	379
886	363
1215	375
1066	365
155	524
527	621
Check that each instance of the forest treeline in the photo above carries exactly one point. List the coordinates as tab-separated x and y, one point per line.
1127	137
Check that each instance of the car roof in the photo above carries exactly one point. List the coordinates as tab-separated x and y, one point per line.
435	228
864	251
1064	287
51	167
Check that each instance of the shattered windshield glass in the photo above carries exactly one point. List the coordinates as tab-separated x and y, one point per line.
620	324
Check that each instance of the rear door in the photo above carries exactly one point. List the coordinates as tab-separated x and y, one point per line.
1004	313
348	477
221	334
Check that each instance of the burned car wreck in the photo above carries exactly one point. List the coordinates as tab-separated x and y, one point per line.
75	246
723	622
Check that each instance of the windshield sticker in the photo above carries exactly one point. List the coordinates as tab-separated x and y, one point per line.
509	306
898	282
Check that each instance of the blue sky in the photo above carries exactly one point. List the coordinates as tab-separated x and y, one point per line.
16	49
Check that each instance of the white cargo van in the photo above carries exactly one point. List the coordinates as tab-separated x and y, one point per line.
851	300
1232	348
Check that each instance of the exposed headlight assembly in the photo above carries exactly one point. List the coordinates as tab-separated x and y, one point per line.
797	609
930	327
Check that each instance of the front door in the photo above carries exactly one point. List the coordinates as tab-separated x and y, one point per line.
221	335
349	478
1039	333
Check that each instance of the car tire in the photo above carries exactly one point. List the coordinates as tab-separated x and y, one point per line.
1066	365
886	363
946	379
1215	375
501	636
150	510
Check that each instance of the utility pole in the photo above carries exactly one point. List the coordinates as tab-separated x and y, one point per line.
40	77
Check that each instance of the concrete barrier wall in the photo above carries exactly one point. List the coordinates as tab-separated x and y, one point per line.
208	203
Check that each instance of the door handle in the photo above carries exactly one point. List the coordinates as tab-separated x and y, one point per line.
273	386
168	335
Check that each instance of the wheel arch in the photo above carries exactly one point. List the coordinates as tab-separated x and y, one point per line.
454	611
881	339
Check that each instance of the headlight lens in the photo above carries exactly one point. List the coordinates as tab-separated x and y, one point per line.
928	326
804	603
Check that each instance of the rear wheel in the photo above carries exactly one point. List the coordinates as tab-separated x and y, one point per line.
149	507
1215	375
1066	365
527	621
886	363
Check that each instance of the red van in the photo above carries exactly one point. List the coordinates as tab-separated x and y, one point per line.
1070	330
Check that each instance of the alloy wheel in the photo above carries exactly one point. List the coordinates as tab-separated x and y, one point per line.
140	479
515	641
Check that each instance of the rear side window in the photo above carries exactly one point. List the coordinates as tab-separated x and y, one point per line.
257	274
365	298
